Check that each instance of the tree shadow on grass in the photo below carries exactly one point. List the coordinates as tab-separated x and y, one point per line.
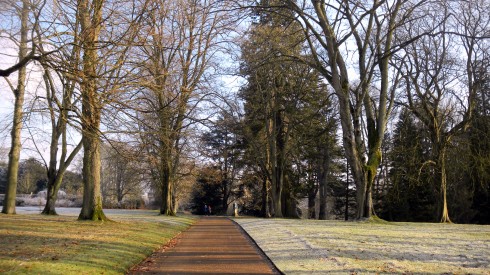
74	254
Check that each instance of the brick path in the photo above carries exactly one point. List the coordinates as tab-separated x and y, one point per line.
213	245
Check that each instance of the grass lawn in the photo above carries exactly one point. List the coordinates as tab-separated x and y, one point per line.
38	244
319	247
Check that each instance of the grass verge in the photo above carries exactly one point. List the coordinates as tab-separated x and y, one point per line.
37	244
324	247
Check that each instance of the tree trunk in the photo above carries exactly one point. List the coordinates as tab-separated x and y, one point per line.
441	163
351	138
277	189
322	213
14	154
226	194
311	202
50	207
276	182
322	183
265	210
91	22
52	192
55	176
54	183
52	195
346	214
92	198
167	190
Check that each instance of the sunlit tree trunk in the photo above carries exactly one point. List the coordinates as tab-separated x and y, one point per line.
378	21
90	16
14	154
167	189
265	198
440	150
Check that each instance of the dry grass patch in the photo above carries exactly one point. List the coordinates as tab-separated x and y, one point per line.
306	246
39	244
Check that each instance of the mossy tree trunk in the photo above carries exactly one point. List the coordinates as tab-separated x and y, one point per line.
14	154
378	22
90	17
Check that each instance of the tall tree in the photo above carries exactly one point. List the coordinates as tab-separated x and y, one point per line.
410	194
479	140
19	93
223	148
432	78
91	20
179	52
104	76
59	103
273	92
369	26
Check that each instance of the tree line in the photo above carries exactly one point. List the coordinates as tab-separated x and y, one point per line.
379	106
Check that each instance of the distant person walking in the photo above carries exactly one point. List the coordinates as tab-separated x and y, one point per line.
206	209
235	209
209	209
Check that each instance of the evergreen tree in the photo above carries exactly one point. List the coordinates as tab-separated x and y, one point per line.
479	140
411	195
275	85
222	146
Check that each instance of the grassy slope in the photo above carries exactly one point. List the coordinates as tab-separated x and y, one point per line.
62	245
305	246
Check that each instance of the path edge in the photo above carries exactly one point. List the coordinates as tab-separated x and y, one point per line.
256	246
172	242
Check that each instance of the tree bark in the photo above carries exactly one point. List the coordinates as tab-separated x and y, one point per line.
14	154
92	198
265	210
167	190
90	16
322	182
312	202
441	177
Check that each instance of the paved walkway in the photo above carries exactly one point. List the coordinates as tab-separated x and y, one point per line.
213	245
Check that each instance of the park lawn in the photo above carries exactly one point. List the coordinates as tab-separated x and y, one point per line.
319	247
39	244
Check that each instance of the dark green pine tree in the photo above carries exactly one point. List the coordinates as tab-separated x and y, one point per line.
411	195
275	85
222	145
479	140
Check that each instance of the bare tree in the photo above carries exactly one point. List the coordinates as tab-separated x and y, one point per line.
336	33
440	93
59	103
121	172
103	76
19	92
179	45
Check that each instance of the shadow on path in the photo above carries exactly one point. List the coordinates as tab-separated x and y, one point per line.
213	245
